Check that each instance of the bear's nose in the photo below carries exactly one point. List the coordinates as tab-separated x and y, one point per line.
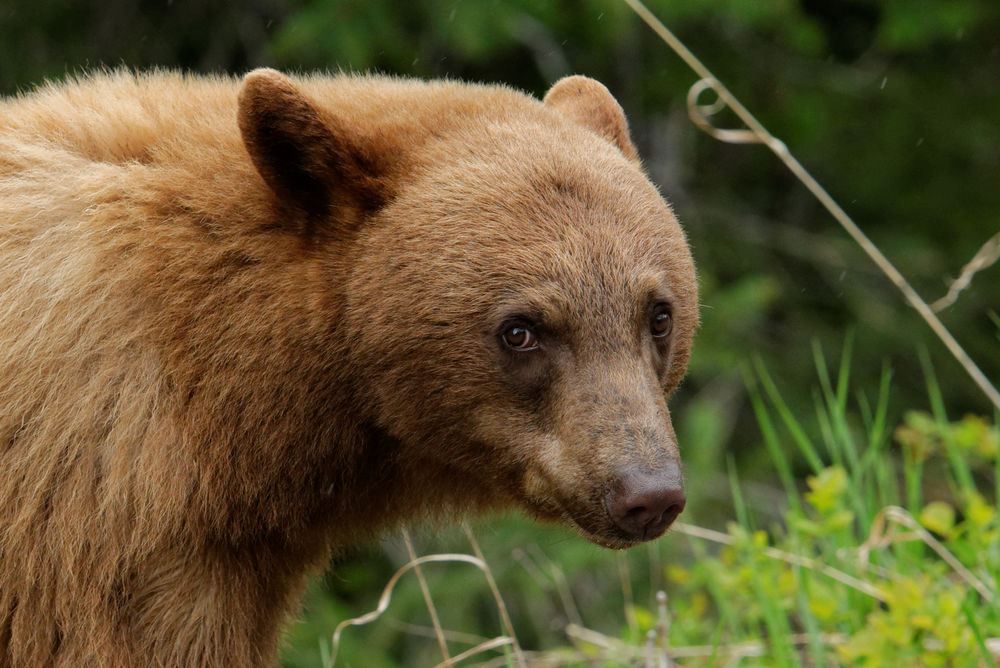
643	504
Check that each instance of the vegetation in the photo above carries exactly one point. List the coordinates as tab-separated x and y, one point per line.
888	554
893	104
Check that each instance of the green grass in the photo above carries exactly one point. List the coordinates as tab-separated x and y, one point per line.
877	545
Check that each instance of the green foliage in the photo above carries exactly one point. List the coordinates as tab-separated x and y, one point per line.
922	436
930	613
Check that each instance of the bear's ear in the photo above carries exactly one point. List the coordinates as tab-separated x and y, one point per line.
309	163
588	103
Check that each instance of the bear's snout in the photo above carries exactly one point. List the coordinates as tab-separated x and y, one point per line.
643	504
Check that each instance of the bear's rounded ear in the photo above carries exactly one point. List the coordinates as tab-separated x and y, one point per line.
310	165
588	103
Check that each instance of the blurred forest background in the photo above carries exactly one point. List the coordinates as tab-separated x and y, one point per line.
894	105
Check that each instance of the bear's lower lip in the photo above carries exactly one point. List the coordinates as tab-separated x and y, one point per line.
610	540
608	537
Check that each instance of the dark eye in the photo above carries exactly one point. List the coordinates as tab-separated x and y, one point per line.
661	323
520	338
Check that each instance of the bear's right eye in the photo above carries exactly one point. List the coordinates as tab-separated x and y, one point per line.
520	338
661	323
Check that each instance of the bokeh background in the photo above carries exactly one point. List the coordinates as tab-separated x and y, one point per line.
894	105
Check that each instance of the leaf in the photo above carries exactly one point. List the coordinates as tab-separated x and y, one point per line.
938	517
678	574
643	617
838	520
823	602
806	526
978	512
827	488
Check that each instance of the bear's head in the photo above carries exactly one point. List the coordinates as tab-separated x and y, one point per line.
518	299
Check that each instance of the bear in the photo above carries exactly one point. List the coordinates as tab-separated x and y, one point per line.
247	323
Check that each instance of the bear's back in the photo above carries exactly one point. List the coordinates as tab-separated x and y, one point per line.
166	117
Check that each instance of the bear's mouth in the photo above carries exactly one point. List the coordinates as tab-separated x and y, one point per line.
609	537
594	526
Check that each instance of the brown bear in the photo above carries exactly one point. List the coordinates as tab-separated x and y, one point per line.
244	324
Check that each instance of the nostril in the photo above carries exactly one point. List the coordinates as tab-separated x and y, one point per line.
643	504
670	514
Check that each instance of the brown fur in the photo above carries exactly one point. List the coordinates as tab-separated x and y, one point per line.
244	323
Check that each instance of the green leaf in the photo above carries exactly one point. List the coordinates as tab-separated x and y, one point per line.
827	488
838	520
643	617
939	517
978	512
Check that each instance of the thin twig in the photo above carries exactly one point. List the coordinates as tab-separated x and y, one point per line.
748	648
499	641
532	569
988	254
626	584
504	616
386	597
661	632
560	584
421	631
881	535
435	620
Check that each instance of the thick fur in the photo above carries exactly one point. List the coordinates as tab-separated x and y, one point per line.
245	323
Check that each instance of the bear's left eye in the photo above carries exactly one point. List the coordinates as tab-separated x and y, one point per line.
661	321
520	338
